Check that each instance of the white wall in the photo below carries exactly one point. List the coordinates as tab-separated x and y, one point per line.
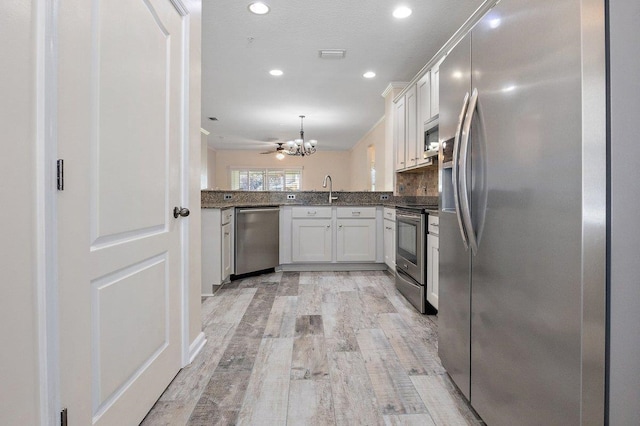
204	164
624	408
334	163
19	378
211	168
359	160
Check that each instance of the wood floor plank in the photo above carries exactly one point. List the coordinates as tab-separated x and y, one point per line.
374	301
445	405
339	333
408	420
309	360
309	324
310	403
190	382
353	398
220	403
310	277
282	318
266	399
229	309
391	384
289	284
417	356
309	299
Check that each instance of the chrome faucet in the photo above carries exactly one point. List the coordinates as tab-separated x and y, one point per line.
324	185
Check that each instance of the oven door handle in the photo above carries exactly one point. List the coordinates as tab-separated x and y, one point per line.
455	170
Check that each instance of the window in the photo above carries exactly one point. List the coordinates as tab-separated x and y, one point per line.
243	179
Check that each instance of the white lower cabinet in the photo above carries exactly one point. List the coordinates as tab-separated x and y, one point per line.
433	257
217	229
311	240
356	240
390	244
340	234
227	250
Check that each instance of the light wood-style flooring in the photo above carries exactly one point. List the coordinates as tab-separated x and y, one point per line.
313	348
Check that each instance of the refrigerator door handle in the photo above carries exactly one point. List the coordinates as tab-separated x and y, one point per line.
455	171
464	155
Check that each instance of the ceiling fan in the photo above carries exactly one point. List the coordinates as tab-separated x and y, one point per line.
279	152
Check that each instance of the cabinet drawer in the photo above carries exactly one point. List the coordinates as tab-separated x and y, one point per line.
311	212
390	213
356	212
433	222
226	216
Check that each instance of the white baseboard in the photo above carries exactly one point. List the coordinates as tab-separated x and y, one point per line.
196	346
326	267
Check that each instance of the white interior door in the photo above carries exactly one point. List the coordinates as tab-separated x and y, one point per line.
120	107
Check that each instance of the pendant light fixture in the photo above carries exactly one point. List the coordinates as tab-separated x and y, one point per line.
299	146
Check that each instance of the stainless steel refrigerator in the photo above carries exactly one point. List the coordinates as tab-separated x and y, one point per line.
516	215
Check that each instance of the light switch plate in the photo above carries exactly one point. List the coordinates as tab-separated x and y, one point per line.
228	196
291	196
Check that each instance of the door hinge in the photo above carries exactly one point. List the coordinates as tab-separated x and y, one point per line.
60	174
63	417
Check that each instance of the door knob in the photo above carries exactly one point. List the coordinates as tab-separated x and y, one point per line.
180	211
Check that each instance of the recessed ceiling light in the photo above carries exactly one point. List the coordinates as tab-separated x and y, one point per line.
276	73
402	12
369	74
259	8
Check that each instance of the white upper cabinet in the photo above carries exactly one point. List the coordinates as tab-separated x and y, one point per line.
424	112
399	136
419	105
435	90
411	119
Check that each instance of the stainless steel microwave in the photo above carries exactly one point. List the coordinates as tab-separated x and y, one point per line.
431	144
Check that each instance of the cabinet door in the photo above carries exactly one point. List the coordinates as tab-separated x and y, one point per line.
435	90
424	112
433	254
227	252
311	240
399	134
356	240
390	244
411	114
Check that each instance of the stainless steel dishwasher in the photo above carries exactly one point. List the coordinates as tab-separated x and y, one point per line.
257	239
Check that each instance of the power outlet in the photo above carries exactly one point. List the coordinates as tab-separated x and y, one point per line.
384	197
228	196
291	196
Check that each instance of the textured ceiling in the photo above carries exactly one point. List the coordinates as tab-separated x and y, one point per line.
253	108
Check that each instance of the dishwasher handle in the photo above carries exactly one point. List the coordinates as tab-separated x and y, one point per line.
271	209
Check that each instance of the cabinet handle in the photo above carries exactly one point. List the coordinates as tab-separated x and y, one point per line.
312	213
434	224
328	226
226	233
355	213
340	226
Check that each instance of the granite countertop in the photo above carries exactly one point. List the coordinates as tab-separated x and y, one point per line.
216	199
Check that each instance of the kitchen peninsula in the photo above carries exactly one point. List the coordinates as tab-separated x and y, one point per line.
348	234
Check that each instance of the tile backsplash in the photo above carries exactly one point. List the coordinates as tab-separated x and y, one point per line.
423	182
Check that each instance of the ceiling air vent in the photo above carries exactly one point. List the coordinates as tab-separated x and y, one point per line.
332	53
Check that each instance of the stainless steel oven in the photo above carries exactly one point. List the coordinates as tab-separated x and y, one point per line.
411	255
